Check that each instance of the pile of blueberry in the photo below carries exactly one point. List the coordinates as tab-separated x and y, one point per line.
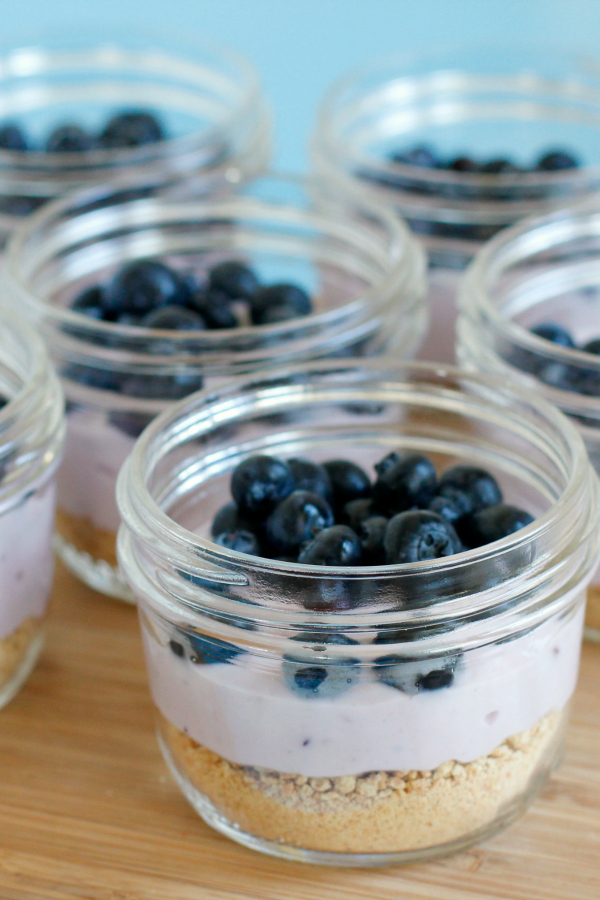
558	374
154	295
130	128
423	157
151	294
426	157
334	515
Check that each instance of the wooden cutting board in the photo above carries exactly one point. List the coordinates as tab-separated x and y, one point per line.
88	810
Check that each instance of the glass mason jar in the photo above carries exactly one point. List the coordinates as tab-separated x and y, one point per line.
488	103
363	268
31	437
543	270
446	714
208	99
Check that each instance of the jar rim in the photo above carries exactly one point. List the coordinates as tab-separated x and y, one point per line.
402	62
144	520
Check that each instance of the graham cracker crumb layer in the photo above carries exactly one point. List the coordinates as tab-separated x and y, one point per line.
87	537
592	610
375	812
14	646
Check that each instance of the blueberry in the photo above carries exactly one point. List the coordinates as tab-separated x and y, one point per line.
273	315
131	128
335	546
553	373
215	309
20	204
12	137
549	331
161	387
304	679
127	319
332	595
234	279
288	296
356	511
140	287
348	481
412	675
463	164
92	376
177	648
421	155
259	483
296	520
192	283
310	476
419	535
308	674
207	651
499	166
90	302
586	381
130	422
411	633
240	540
592	346
228	518
493	524
556	160
451	505
410	481
69	139
478	486
173	318
559	375
387	462
371	533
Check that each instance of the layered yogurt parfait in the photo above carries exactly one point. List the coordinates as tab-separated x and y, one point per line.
361	594
31	437
144	301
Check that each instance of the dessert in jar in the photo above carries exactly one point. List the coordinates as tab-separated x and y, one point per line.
143	302
31	439
318	700
462	144
152	111
530	311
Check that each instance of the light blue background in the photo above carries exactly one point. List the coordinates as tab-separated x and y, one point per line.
301	46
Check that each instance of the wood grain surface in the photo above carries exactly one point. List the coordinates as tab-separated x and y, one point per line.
87	809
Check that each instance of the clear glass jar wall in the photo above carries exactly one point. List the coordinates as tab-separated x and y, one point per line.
31	439
543	270
364	270
487	103
207	98
371	769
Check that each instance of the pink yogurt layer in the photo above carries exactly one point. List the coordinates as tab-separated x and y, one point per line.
26	559
245	712
87	478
